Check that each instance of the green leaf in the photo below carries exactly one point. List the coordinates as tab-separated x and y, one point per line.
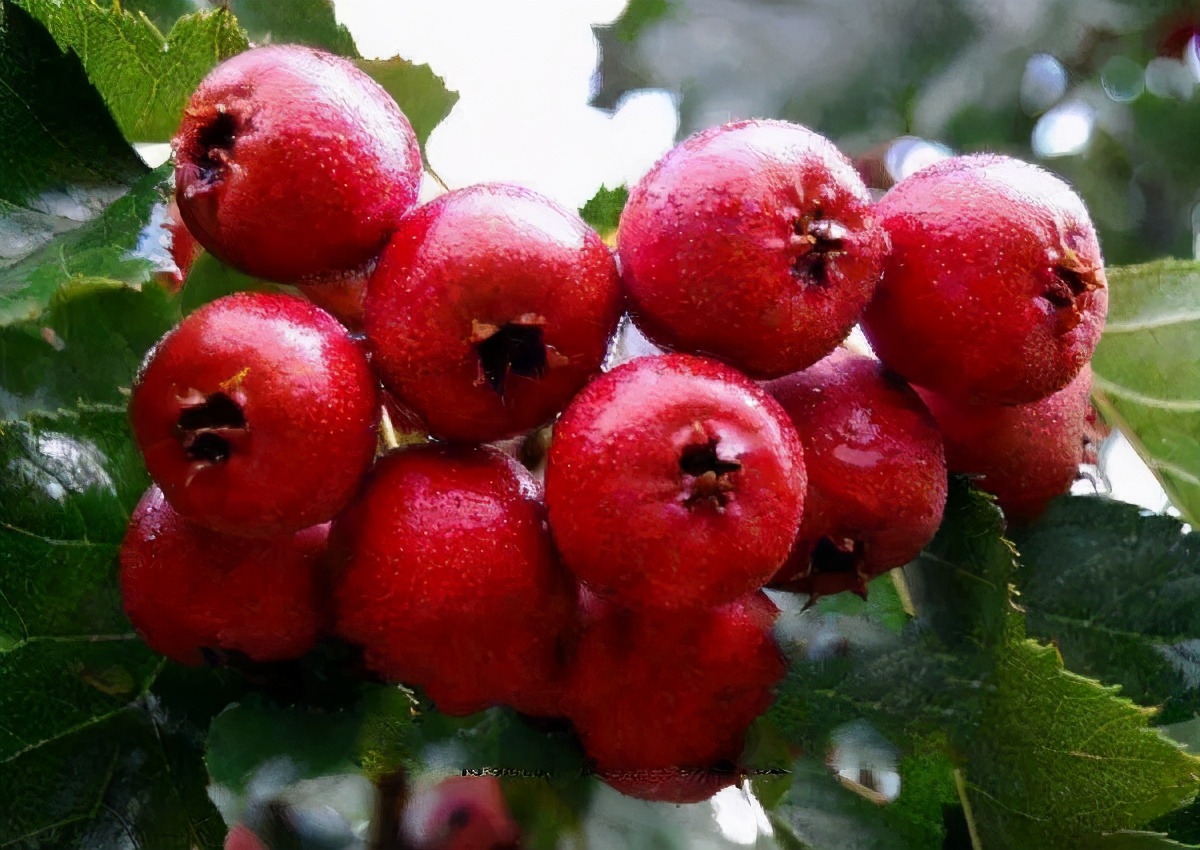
1147	377
421	94
210	279
144	78
86	760
603	210
1118	592
131	780
126	243
1061	759
86	347
310	22
638	15
1130	840
55	132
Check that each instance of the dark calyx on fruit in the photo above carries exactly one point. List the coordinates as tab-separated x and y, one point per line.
213	146
515	348
708	478
208	425
817	240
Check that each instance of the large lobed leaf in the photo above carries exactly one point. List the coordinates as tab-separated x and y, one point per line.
1147	374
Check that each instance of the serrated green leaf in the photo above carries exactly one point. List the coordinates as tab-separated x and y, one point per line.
144	78
55	132
421	94
1146	375
883	604
1060	759
603	209
1118	592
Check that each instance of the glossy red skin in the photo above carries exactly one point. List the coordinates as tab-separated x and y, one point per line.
650	690
310	402
460	813
186	588
241	837
616	492
669	784
876	472
962	308
341	294
184	249
1026	455
448	580
708	240
321	168
489	255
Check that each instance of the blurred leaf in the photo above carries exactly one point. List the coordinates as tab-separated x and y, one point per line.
55	132
143	77
86	347
819	813
1147	376
1061	759
603	210
210	279
126	243
1118	592
1130	840
883	604
310	22
421	93
638	15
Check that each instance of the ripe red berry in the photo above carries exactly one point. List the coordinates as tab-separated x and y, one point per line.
671	689
1026	454
183	247
241	837
448	580
876	473
671	784
188	590
489	309
994	291
674	482
460	813
753	242
256	415
292	162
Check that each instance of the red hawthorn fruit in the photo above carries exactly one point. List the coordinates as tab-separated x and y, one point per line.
291	162
241	837
1027	454
876	474
490	308
671	784
448	580
340	294
753	242
994	291
256	415
187	589
460	813
184	248
654	690
674	482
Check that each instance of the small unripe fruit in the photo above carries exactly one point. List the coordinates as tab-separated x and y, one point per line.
188	590
876	473
490	308
674	482
994	291
291	162
1025	454
256	415
447	578
652	690
754	243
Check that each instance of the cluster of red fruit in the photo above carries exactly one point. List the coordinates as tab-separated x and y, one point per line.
628	598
